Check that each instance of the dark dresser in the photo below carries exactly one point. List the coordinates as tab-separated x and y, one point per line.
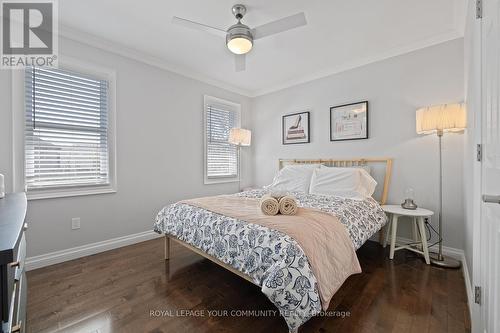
12	256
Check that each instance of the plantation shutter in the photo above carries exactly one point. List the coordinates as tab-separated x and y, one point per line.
222	157
66	132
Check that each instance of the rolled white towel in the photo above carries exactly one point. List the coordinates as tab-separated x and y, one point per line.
269	205
278	194
288	205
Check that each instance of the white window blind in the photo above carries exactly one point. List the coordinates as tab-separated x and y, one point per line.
221	156
66	132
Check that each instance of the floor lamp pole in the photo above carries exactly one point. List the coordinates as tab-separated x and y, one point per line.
438	259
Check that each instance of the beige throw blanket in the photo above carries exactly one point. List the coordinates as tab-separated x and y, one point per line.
321	236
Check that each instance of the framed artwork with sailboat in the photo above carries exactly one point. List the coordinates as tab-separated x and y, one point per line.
295	128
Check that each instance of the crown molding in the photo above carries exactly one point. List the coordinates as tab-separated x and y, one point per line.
459	21
451	35
141	56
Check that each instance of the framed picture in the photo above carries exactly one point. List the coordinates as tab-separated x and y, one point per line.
295	128
349	121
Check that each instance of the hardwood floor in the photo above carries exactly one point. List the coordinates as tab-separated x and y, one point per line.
132	289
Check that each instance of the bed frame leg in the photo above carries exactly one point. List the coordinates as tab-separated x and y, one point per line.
167	247
381	236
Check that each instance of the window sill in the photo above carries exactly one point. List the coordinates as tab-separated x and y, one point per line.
213	181
51	194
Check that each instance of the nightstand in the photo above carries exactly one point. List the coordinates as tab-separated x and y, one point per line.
417	217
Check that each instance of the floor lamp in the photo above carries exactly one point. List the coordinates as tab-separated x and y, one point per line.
439	120
240	137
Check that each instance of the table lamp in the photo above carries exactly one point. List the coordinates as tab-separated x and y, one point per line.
440	119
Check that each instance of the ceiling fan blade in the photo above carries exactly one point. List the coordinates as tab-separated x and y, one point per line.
198	26
240	62
280	25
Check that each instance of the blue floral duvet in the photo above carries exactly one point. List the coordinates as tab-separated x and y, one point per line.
271	258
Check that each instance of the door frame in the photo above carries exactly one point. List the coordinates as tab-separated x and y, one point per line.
475	111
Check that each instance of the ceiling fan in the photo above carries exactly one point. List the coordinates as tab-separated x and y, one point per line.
239	37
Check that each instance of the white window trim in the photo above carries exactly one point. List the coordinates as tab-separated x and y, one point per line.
207	100
18	133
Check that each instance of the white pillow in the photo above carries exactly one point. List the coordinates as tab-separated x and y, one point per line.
293	178
353	183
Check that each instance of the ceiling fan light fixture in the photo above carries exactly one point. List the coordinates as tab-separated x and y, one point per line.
239	39
239	45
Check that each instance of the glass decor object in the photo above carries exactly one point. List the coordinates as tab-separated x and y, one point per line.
409	203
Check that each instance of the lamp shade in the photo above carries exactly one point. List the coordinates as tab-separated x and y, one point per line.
240	136
441	118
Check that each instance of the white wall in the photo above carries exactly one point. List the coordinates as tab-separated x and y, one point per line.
395	88
159	154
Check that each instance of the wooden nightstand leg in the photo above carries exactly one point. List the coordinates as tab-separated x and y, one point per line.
394	230
423	237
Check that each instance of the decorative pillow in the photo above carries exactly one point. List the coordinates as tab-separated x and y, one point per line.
293	178
347	182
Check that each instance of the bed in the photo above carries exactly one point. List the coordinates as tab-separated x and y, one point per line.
288	271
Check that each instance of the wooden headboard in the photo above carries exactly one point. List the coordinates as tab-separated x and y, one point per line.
381	169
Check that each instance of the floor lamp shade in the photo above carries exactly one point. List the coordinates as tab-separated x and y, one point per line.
441	118
240	136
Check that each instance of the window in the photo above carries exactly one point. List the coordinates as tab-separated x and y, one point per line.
221	157
67	132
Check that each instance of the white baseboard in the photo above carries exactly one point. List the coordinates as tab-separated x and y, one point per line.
468	286
56	257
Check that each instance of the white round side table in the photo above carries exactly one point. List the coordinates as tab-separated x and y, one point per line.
419	234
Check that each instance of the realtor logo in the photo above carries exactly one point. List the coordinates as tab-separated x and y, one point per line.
29	33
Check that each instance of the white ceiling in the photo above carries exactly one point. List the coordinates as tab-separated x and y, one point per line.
339	35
